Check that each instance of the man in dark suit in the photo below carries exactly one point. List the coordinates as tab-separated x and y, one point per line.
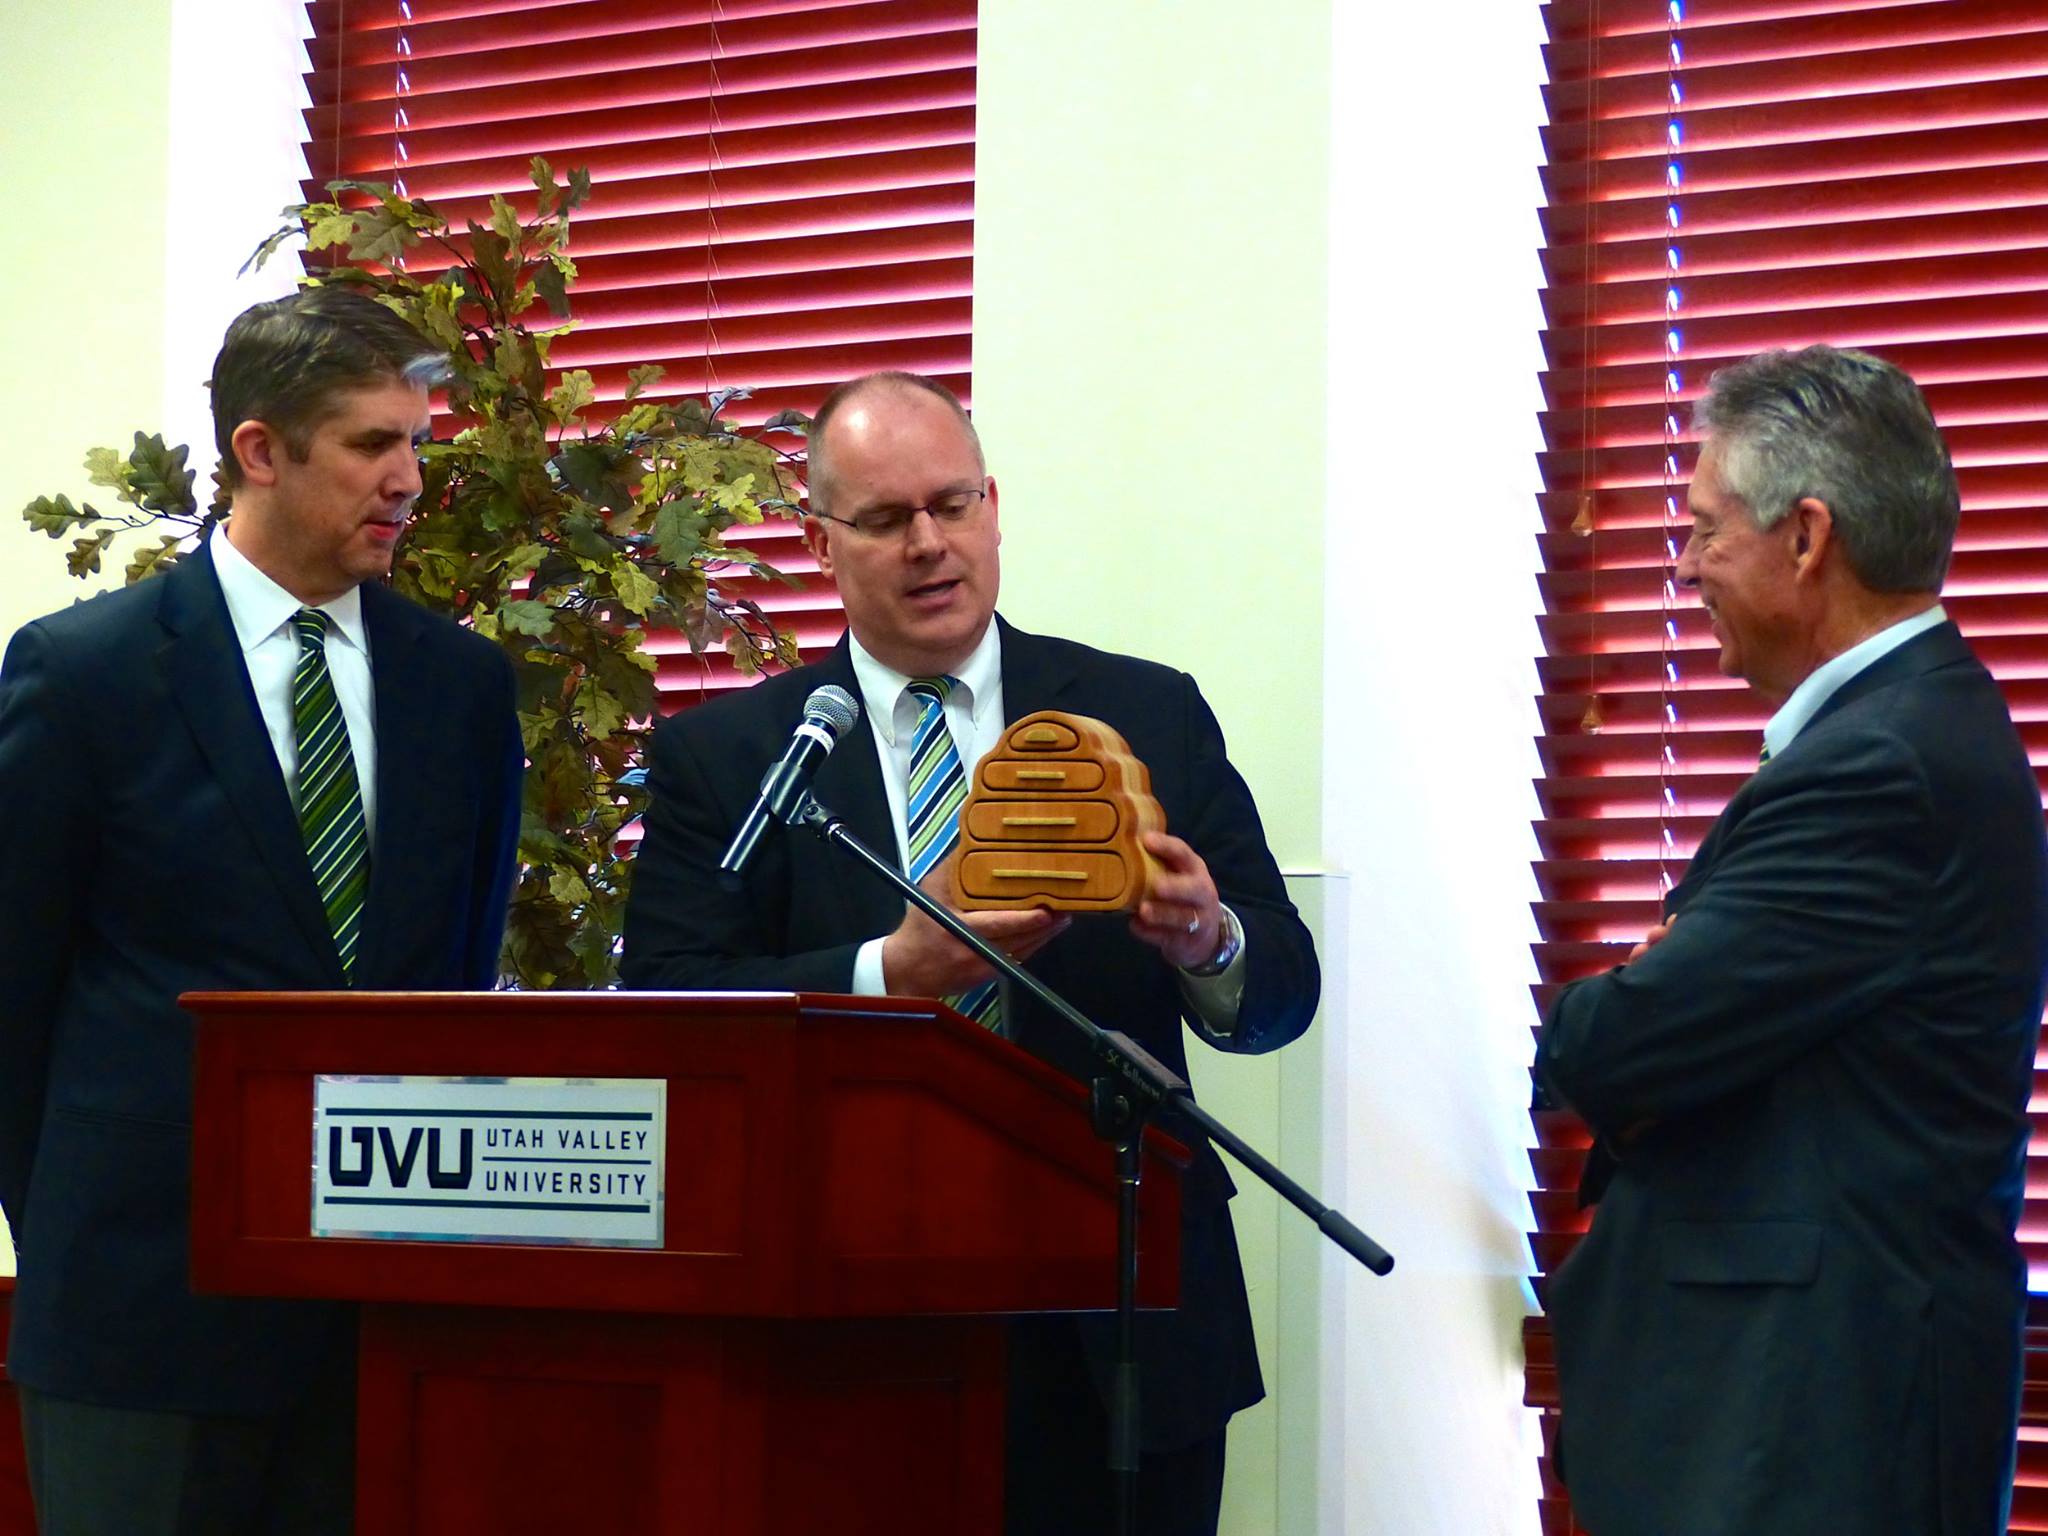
904	518
1799	1306
260	770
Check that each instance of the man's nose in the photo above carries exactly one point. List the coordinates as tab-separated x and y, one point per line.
407	477
1687	570
922	536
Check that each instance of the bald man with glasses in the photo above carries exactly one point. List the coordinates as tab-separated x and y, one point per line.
905	520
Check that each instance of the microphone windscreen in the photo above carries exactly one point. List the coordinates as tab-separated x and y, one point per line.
833	707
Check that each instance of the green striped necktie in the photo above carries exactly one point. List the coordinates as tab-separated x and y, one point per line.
330	800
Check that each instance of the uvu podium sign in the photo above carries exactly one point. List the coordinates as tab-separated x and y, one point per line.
507	1160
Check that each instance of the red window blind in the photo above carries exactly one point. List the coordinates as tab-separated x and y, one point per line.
1725	176
783	192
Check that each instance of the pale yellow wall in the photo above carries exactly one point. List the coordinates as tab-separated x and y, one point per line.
1149	350
83	125
1149	380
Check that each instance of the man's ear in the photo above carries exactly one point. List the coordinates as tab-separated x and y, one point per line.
1813	536
816	538
257	448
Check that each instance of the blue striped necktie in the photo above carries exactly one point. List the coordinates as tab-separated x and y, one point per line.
330	800
931	816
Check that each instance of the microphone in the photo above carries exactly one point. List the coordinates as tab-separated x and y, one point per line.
828	712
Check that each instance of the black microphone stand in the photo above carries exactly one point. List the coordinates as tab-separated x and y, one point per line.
1130	1087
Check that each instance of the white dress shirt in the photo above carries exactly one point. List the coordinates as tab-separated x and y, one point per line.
1820	684
974	715
261	612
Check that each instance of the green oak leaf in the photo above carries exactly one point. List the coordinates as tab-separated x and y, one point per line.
381	236
493	254
543	176
598	710
573	392
643	378
106	466
505	220
599	472
84	558
149	560
551	281
332	227
679	532
568	887
56	516
522	561
526	617
636	589
159	476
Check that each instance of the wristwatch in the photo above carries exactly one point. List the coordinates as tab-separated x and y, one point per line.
1227	949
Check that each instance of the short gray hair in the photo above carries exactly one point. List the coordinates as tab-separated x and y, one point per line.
1847	429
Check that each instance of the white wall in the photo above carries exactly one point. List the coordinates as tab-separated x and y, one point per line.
1428	722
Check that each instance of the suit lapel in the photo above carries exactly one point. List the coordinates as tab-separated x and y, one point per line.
1032	678
403	689
204	671
849	784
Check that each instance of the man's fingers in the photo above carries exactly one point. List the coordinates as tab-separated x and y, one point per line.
1169	850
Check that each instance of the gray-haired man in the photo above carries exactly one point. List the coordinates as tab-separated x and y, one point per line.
1799	1305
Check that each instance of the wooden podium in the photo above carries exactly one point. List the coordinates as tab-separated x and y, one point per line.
856	1191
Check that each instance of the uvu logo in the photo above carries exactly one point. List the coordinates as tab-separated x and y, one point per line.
356	1172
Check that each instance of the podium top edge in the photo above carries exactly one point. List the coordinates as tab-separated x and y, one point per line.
619	1002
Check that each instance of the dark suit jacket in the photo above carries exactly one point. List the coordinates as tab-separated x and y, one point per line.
806	909
1799	1306
152	850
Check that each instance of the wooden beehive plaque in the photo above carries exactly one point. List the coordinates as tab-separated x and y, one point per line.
1054	818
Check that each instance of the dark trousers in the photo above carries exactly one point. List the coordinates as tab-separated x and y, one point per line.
99	1471
1056	1475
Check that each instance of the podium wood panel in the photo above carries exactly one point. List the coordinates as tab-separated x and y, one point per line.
856	1190
17	1510
514	1423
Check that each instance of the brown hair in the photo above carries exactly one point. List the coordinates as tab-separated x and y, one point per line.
286	361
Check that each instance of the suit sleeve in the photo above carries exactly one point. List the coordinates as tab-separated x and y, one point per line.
46	778
1809	920
1282	979
497	849
684	930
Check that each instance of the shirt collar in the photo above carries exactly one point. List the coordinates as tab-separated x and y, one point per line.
1823	682
881	685
258	607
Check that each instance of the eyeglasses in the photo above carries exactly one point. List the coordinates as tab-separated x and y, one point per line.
894	522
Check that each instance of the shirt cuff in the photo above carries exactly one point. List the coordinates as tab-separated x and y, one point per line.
1213	1000
867	970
